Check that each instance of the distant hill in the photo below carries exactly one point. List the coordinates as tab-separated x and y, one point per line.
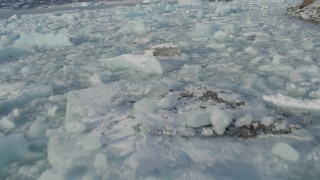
29	4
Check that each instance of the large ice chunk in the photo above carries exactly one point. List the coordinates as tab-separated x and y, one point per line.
7	123
17	94
204	29
278	69
37	129
13	52
91	102
139	27
267	120
220	120
91	142
195	120
53	40
244	120
168	102
12	148
144	63
285	151
146	105
189	2
226	9
165	49
49	175
289	102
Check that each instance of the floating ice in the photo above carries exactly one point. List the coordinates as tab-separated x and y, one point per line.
224	10
221	35
91	102
146	105
289	102
37	130
102	138
251	50
144	63
14	17
189	2
49	175
187	69
168	102
315	94
186	132
100	161
156	88
52	111
215	45
12	148
75	127
195	120
244	120
204	30
279	69
13	52
17	94
166	49
139	27
91	142
51	40
84	4
267	120
207	132
285	151
7	123
220	120
95	79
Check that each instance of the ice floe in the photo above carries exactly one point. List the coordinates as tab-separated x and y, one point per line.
285	151
293	103
160	90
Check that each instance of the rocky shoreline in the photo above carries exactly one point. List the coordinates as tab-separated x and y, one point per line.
308	10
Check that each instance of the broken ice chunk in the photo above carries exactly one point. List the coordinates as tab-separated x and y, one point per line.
289	102
91	102
7	123
267	120
203	30
37	130
17	94
285	151
12	148
166	49
220	120
60	39
144	63
168	102
195	120
74	127
207	132
91	142
244	120
100	161
146	105
186	132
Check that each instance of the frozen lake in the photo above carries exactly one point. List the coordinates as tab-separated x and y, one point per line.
179	90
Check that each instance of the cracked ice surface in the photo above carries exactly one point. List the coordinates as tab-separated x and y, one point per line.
82	91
